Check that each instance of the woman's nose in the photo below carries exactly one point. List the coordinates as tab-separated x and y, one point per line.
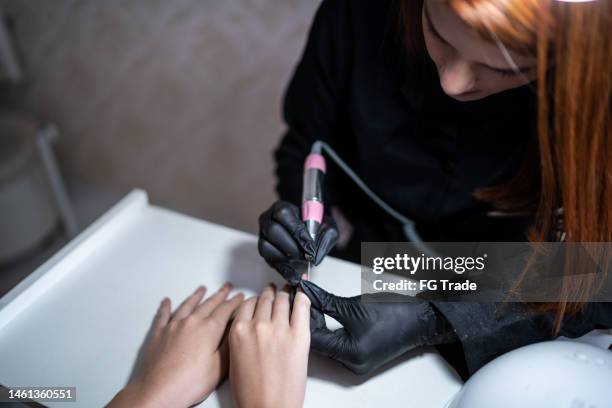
456	77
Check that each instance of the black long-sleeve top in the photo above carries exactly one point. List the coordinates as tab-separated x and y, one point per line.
424	153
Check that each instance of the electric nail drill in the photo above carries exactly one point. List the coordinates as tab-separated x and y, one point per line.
312	194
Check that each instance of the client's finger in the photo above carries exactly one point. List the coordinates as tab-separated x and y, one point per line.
162	317
280	308
206	307
246	310
224	312
222	315
263	311
189	304
300	315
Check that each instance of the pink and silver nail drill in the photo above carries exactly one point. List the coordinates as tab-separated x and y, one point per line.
312	193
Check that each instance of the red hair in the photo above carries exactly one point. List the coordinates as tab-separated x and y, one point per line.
571	165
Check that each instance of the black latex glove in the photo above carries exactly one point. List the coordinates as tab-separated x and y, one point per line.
376	327
284	241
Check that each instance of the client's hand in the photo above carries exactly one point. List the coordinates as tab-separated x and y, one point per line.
269	351
185	356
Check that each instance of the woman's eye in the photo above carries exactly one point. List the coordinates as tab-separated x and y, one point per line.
505	73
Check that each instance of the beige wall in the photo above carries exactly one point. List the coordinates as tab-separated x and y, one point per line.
180	97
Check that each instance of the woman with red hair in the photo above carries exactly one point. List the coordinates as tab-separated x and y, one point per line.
481	120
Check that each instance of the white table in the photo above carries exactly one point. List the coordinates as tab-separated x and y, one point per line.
80	318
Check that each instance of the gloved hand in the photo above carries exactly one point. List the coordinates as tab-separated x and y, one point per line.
284	241
376	327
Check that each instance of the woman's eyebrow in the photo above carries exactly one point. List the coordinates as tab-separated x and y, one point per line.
431	26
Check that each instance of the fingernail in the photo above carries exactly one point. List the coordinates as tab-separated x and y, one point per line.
237	295
227	285
273	285
305	276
